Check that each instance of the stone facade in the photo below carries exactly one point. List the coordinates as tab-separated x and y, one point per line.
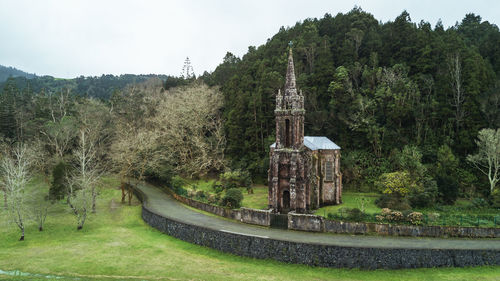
304	172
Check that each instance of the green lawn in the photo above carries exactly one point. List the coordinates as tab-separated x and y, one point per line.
116	244
352	200
257	200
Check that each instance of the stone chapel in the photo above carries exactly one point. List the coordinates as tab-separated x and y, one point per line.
304	171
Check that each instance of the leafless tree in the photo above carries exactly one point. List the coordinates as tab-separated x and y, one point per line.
189	127
16	174
95	131
84	178
458	97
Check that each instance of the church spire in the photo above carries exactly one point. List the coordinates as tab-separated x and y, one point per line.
290	86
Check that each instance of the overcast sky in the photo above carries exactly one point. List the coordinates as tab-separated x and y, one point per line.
72	38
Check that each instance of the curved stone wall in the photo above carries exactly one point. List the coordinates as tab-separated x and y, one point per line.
317	254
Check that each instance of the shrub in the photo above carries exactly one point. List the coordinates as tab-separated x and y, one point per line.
424	198
398	184
495	198
388	201
448	188
212	199
344	211
415	218
355	214
200	195
177	182
433	216
386	212
479	203
396	216
233	179
233	198
58	188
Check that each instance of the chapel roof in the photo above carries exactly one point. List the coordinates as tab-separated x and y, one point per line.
317	143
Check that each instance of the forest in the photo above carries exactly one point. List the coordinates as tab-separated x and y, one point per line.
407	103
396	97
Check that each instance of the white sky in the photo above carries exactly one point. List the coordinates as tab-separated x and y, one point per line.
69	38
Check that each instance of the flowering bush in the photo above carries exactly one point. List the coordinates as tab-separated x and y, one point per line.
415	218
396	216
386	212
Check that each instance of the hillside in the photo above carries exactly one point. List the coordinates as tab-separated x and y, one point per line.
6	72
92	86
373	88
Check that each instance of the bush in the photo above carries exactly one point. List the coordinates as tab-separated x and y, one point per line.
200	195
233	179
424	198
479	203
177	186
233	198
495	198
355	214
389	201
448	188
415	218
58	188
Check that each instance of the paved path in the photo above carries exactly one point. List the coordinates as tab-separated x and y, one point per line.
161	203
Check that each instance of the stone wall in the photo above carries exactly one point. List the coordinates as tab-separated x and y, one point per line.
305	222
316	254
410	230
254	216
216	210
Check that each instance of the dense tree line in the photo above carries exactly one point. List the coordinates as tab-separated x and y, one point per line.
101	87
7	72
374	88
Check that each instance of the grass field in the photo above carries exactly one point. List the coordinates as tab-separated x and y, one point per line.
115	244
257	200
351	200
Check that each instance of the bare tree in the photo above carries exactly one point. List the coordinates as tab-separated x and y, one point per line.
134	148
94	120
487	159
15	176
40	206
458	97
60	134
84	178
189	127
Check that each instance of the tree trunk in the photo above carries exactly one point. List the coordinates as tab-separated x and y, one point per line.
5	199
123	191
94	197
40	228
22	235
129	196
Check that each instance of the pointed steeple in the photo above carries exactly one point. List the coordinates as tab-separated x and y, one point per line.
290	86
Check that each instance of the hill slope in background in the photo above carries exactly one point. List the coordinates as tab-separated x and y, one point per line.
7	71
93	86
371	87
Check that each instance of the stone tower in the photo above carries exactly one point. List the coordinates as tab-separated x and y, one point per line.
287	174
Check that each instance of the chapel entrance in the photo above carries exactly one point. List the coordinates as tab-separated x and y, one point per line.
286	202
